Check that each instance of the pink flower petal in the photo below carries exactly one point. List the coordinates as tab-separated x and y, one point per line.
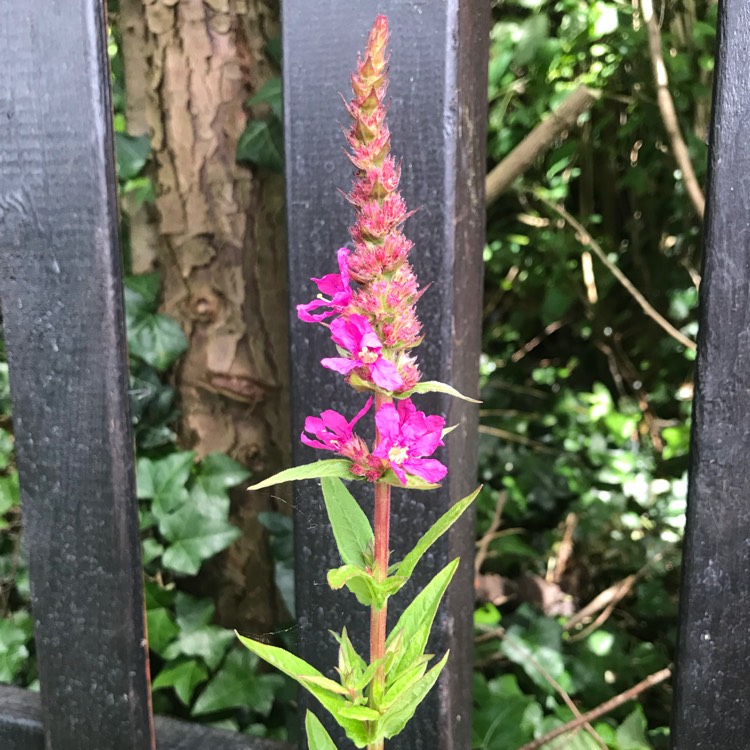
385	375
340	364
429	469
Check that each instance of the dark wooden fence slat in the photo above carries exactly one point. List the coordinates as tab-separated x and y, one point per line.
437	117
60	286
712	689
21	729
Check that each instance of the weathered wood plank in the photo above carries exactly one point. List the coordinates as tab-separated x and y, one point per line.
437	118
712	690
60	286
21	729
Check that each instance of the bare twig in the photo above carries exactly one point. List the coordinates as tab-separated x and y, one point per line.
533	343
538	141
484	543
560	690
586	239
512	437
605	708
565	550
668	113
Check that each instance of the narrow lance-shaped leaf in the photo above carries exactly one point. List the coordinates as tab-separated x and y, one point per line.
399	714
406	567
416	620
435	386
298	669
317	736
351	528
333	467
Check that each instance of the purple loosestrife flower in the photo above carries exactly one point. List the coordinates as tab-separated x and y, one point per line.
406	437
336	286
355	335
334	433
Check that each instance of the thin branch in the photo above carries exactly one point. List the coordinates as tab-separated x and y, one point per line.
512	437
668	112
560	690
538	141
484	543
586	239
605	708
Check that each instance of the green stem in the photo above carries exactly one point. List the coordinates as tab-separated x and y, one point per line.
378	617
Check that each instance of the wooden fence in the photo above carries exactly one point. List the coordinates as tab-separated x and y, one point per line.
60	288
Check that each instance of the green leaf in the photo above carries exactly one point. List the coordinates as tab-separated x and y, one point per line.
351	528
142	293
218	473
333	467
152	550
183	676
270	93
406	567
197	638
262	143
157	340
238	684
10	494
416	621
363	585
435	386
194	538
297	668
412	482
398	715
132	154
163	481
161	629
631	734
317	736
15	634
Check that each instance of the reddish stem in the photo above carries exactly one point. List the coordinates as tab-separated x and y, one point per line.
378	617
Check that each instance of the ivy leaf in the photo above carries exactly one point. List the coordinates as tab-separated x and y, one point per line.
238	684
162	629
631	734
406	567
317	736
163	481
396	717
197	637
9	493
184	677
298	669
218	473
435	386
262	143
15	633
269	93
151	550
132	153
333	467
351	528
157	340
194	538
416	621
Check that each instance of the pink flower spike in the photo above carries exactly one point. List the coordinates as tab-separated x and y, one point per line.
356	335
332	431
406	437
336	286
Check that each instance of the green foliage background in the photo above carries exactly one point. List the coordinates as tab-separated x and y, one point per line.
585	421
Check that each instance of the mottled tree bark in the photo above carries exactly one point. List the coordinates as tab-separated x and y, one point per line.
190	66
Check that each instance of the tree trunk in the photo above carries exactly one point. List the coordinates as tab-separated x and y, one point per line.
218	238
